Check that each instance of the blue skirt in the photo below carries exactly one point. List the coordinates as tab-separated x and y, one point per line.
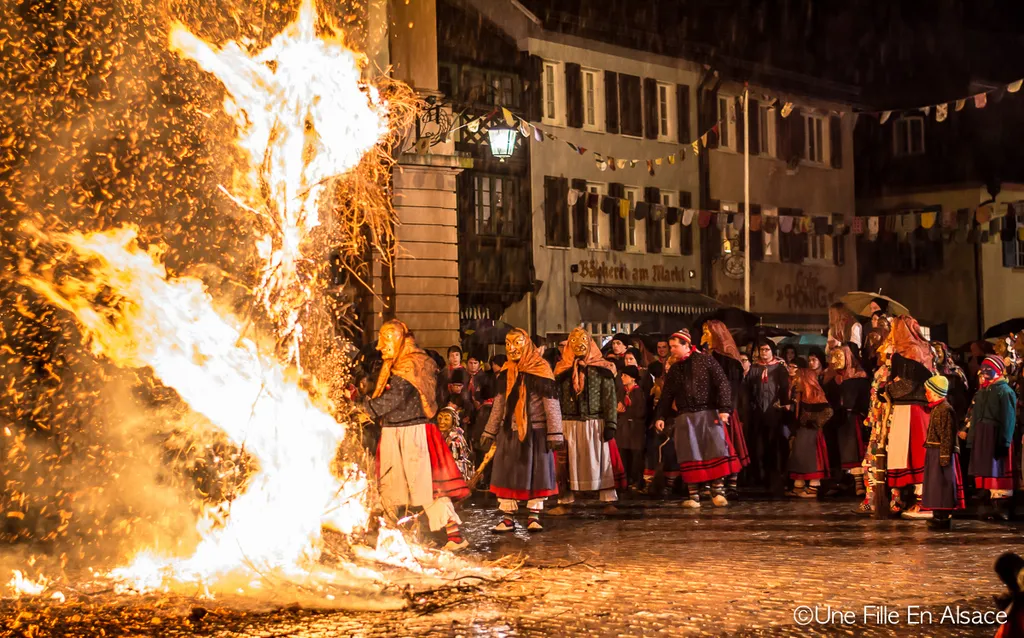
943	486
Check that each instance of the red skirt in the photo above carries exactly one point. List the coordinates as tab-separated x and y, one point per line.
1005	479
821	453
445	476
705	471
739	441
914	473
618	467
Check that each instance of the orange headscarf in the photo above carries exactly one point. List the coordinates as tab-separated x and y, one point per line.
905	337
808	386
412	364
721	339
579	366
530	363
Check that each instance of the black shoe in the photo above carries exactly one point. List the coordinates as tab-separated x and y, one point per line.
940	524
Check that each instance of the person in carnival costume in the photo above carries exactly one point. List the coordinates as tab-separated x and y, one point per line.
526	427
415	468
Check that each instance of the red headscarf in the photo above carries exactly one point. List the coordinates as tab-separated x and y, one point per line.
721	339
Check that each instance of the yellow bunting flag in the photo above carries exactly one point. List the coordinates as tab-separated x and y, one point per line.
672	158
509	119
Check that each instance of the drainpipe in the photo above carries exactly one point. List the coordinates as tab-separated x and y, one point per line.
704	175
979	301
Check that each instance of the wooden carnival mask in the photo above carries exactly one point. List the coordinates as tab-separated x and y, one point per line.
579	343
705	337
390	340
838	359
515	345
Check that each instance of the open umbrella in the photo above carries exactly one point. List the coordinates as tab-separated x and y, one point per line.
484	332
1005	328
735	319
805	343
858	302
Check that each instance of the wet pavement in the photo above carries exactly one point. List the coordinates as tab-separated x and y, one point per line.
654	569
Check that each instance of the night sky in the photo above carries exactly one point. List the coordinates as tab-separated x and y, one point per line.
895	54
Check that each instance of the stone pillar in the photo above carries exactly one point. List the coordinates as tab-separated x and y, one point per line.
426	266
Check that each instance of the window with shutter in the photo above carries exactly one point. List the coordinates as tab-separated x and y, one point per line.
556	213
532	93
600	225
618	224
835	134
651	120
668	232
686	232
553	91
573	95
611	101
580	215
593	100
839	250
727	122
652	195
630	113
815	140
636	235
683	113
766	135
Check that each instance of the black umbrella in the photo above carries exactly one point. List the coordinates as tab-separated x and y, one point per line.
484	332
1005	328
735	319
744	336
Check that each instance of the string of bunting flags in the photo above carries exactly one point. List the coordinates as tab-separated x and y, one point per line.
608	162
979	100
604	162
988	223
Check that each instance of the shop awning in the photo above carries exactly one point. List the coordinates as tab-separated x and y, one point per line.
653	301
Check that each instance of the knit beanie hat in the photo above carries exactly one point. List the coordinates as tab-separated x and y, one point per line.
938	384
994	362
632	371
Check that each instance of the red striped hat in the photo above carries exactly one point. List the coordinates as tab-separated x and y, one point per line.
683	335
994	362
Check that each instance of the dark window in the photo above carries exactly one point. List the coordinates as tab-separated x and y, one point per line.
908	136
494	203
917	254
477	86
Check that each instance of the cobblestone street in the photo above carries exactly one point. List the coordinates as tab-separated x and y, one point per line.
657	569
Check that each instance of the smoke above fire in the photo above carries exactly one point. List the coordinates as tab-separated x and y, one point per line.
171	359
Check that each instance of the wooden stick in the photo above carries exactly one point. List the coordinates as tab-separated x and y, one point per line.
479	474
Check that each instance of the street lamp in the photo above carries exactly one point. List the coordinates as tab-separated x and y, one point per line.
503	142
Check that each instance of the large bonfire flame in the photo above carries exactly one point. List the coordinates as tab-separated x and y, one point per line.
303	117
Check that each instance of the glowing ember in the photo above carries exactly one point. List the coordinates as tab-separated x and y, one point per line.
303	117
20	585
